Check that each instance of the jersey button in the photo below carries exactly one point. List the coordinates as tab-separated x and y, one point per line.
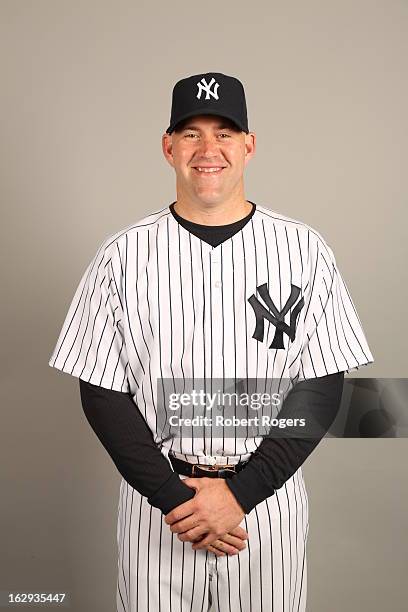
217	284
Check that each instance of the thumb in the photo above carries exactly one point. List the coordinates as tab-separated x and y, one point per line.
192	483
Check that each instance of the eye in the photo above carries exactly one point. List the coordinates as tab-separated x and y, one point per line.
224	134
190	135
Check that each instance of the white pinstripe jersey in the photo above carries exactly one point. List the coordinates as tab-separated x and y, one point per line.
158	302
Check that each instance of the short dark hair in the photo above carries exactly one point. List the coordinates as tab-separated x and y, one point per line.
179	127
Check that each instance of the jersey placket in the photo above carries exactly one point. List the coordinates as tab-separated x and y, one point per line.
215	335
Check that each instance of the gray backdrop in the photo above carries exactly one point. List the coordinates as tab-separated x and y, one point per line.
85	98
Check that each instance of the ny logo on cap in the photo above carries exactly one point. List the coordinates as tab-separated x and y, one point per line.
204	86
277	318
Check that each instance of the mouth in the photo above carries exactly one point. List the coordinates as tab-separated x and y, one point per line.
208	170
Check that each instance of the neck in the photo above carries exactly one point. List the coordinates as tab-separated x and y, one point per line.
212	214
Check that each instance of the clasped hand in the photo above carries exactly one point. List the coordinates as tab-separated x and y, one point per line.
211	519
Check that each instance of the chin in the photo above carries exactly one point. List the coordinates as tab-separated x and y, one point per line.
210	197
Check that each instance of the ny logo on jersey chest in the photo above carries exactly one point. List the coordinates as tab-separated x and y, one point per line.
275	316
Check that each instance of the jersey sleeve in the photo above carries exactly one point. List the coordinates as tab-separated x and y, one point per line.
91	345
334	339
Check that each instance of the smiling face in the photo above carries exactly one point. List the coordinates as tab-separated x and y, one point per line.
208	154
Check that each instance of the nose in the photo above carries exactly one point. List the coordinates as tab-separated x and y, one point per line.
208	146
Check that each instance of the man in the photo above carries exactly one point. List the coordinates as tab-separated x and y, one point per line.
213	291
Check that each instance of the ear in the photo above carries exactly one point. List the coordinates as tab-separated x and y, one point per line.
167	147
250	146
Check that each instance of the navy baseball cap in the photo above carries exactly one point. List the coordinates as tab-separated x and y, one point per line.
212	93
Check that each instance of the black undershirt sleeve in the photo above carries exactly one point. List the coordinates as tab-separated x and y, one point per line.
121	428
124	433
277	459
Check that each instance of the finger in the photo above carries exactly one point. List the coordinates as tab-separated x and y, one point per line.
199	538
214	550
192	535
185	525
224	547
180	512
209	539
239	533
233	541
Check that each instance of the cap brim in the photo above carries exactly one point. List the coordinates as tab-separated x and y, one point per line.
207	111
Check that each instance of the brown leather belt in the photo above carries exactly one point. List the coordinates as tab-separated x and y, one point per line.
199	470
